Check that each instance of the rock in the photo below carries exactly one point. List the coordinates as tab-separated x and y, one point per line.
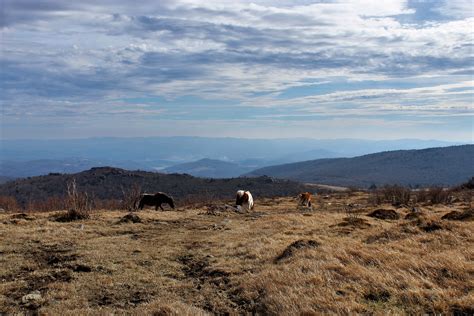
32	299
415	210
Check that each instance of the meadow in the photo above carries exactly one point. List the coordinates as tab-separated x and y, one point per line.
207	259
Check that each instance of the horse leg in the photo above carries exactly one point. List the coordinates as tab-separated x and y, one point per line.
162	208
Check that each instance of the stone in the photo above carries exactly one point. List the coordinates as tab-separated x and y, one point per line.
32	299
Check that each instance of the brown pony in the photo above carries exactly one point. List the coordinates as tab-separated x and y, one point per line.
155	200
305	199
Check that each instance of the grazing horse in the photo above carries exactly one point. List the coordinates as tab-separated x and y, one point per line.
305	199
155	200
244	199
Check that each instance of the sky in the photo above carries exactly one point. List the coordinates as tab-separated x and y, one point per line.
255	69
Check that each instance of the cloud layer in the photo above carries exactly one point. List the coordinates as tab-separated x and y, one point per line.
237	63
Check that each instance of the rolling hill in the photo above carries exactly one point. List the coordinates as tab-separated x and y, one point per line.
4	179
106	183
21	169
26	158
443	166
209	168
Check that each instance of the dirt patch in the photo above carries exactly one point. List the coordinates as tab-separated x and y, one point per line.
70	216
458	310
384	214
250	303
200	269
467	215
54	263
130	218
377	296
23	216
18	218
55	255
294	247
55	259
122	296
431	226
80	268
37	282
206	278
219	210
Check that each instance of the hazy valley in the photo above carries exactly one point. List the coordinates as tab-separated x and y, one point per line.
26	158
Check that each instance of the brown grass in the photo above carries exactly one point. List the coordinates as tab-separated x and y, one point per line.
276	260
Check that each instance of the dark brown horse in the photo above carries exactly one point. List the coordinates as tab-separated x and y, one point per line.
156	200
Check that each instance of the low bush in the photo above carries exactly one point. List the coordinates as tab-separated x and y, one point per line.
395	194
131	197
433	195
79	204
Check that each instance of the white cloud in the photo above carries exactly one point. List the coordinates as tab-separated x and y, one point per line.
78	58
457	8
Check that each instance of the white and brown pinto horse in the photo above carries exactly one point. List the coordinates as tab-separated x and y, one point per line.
244	199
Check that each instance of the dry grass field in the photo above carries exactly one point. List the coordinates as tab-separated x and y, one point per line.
206	260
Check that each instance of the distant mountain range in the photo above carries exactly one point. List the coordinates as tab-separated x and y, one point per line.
4	179
445	166
210	168
107	183
434	166
24	158
21	169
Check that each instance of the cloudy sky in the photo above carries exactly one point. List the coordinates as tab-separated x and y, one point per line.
260	69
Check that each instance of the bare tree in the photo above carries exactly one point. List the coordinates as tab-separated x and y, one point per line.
78	204
131	197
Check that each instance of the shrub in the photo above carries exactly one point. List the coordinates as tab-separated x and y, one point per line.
438	195
394	194
8	203
108	204
131	197
434	195
79	204
468	185
53	203
352	214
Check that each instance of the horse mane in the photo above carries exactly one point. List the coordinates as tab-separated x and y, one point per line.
169	197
